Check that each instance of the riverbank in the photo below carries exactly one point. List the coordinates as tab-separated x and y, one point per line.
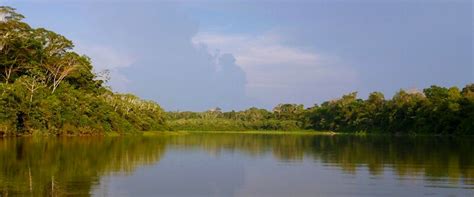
250	132
268	132
297	132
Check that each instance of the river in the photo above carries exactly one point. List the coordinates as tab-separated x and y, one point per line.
220	164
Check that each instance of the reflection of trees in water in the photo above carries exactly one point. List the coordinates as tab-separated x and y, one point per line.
429	156
69	166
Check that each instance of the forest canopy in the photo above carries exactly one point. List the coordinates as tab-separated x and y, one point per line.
435	110
46	87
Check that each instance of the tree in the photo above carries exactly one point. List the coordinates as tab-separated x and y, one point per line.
32	84
372	115
288	111
16	47
9	14
60	68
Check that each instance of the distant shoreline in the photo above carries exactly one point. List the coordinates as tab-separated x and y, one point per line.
250	132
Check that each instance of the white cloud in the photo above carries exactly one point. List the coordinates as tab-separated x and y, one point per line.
256	50
279	73
107	58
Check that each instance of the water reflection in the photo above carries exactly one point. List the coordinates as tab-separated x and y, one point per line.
233	164
69	166
430	156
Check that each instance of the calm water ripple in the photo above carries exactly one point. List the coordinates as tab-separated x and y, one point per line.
237	165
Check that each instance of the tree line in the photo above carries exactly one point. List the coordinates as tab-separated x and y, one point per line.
283	117
435	110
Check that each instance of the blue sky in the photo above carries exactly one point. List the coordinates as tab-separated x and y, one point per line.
194	55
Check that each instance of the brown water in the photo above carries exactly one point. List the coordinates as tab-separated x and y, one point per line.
237	165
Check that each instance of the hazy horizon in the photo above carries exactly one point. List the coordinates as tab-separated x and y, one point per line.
195	55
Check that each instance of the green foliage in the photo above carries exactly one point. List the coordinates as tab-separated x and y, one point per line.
436	110
250	119
46	88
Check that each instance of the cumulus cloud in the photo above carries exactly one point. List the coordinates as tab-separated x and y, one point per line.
107	58
279	73
257	50
161	62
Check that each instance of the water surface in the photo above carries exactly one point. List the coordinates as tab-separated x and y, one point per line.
201	164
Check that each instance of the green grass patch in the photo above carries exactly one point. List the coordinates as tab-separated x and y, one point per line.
269	132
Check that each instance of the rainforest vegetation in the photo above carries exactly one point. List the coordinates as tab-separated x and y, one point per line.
435	110
47	88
